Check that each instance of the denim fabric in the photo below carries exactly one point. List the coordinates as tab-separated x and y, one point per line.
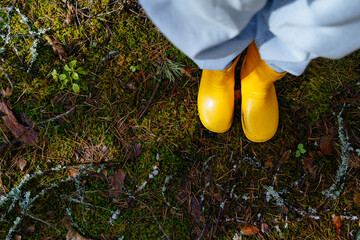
289	34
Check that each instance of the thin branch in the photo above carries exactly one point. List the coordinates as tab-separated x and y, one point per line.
150	101
56	117
40	220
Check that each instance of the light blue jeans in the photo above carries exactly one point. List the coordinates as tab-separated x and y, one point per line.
289	34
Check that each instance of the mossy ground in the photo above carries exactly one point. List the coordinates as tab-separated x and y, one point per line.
128	116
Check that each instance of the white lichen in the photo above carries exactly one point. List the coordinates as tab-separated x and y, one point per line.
272	194
13	228
279	231
334	191
163	190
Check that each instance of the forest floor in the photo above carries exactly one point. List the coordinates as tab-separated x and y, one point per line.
100	137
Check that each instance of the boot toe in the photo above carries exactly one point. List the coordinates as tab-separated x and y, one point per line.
216	113
259	118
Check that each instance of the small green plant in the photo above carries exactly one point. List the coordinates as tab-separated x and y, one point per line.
300	150
69	75
134	68
169	70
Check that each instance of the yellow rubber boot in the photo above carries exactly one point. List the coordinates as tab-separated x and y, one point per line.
259	106
216	98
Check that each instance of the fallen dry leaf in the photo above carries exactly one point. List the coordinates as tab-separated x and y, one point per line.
325	146
308	162
336	220
73	172
21	163
30	229
26	135
25	121
6	93
74	235
354	160
357	198
137	149
269	163
249	230
116	184
50	213
57	47
195	209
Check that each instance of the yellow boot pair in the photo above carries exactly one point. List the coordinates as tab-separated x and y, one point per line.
259	107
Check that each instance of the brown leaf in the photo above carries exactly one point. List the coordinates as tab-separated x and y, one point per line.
57	47
249	230
336	220
30	229
308	162
50	213
73	172
137	149
195	209
17	237
357	198
269	163
325	146
27	135
25	121
116	184
73	235
6	93
21	163
354	160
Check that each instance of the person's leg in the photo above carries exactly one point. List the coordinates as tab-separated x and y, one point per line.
297	32
306	29
212	33
259	105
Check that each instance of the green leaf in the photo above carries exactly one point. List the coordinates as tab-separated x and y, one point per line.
75	75
76	88
297	153
72	63
54	74
133	68
302	150
81	71
62	76
66	68
300	146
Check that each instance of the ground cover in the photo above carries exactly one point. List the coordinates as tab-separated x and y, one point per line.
100	138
